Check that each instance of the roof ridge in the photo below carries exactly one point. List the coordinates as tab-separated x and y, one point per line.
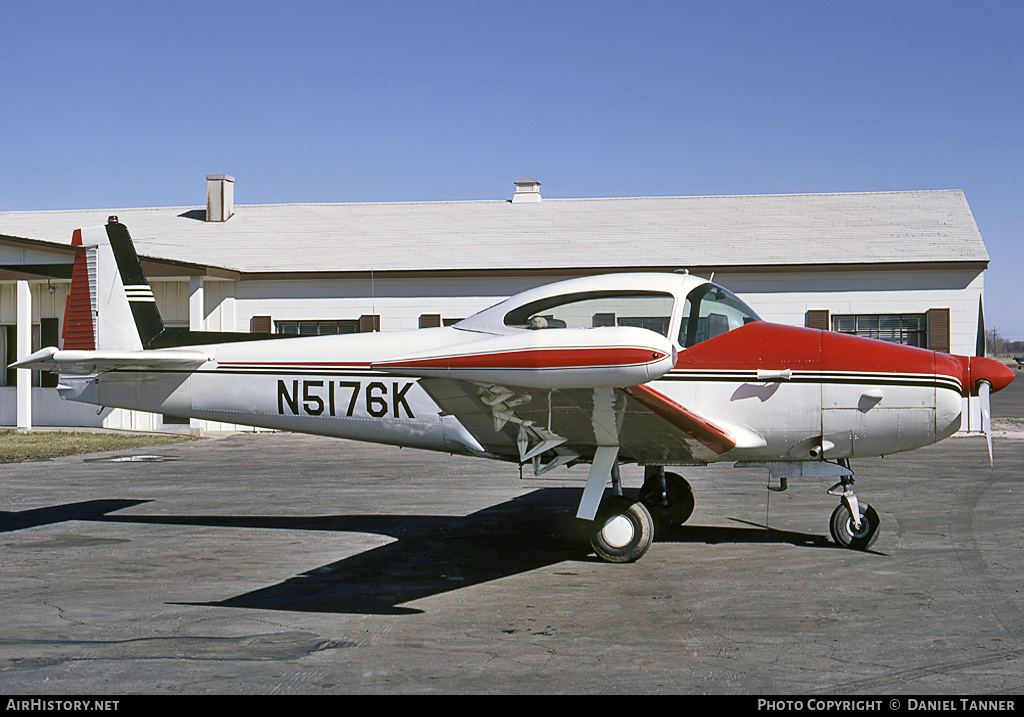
193	207
762	196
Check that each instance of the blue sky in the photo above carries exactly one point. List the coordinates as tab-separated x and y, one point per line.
117	104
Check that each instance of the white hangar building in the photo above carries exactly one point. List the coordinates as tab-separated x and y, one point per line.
900	266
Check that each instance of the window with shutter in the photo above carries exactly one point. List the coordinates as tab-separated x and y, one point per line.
816	319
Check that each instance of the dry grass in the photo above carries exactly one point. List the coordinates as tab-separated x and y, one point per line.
16	446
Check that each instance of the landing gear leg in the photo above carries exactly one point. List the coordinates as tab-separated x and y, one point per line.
616	478
620	528
853	524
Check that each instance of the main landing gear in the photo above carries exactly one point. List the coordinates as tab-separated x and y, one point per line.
625	530
624	527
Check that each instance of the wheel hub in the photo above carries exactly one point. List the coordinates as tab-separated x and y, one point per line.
618	531
857	531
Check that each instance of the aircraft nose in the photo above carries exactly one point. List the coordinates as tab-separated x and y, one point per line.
985	369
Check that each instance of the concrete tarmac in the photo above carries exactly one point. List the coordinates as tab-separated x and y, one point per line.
287	564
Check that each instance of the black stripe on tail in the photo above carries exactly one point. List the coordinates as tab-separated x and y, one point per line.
136	286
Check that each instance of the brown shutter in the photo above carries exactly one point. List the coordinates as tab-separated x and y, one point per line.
368	323
430	321
260	325
938	330
817	319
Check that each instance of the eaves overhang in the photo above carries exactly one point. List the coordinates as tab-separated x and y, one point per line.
24	258
887	266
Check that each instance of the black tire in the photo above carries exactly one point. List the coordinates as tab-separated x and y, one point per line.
843	532
623	530
680	500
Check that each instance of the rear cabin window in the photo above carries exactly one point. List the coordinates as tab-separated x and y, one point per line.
709	311
650	310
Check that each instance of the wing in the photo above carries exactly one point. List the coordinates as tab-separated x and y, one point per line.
84	363
649	427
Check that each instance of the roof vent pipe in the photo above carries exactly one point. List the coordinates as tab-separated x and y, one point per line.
220	197
527	190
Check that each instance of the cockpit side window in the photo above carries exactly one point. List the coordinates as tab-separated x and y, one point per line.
646	309
709	311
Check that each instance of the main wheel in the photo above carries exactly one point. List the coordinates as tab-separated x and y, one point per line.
624	530
679	507
844	533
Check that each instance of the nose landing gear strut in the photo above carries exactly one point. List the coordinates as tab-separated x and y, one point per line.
853	524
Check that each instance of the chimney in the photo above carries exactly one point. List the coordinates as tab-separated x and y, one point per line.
220	197
527	190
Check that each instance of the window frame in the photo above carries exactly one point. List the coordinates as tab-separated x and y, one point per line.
518	317
690	314
877	331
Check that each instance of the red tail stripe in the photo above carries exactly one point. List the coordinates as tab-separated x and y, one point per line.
79	333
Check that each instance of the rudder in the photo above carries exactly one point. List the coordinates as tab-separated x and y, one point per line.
137	289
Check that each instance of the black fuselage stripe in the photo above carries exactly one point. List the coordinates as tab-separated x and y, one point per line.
830	378
748	377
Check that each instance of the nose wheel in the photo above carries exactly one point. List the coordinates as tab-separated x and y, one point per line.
859	535
853	524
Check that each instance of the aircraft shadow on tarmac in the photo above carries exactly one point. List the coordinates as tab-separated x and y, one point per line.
430	555
86	510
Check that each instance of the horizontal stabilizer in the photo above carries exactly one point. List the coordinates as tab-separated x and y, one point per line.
83	363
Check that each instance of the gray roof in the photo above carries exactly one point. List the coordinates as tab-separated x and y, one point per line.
643	232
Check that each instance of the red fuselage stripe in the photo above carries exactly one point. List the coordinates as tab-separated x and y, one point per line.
564	358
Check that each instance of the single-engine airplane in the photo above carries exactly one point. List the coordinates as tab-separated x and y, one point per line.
654	369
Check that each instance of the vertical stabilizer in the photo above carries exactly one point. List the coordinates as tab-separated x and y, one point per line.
98	314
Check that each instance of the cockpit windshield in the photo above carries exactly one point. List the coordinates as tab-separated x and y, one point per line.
709	311
650	310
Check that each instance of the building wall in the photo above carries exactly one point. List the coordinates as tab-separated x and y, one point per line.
45	304
785	298
399	302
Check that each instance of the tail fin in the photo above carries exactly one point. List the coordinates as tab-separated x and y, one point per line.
111	304
98	314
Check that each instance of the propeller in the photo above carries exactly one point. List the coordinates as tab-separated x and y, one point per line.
984	389
981	347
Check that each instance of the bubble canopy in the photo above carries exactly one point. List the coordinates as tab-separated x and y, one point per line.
685	308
